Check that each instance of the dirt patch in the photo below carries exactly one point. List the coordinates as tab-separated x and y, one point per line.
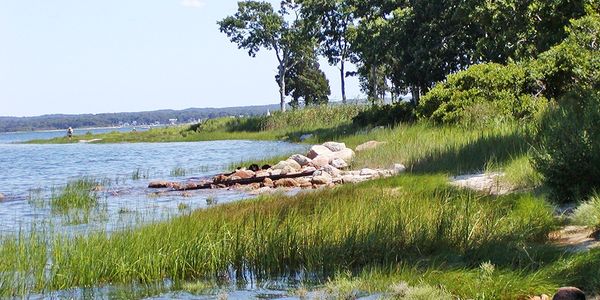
576	238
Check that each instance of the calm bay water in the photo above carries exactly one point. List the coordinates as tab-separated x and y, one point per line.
29	174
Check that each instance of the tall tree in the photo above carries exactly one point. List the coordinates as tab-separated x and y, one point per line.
256	25
336	20
305	81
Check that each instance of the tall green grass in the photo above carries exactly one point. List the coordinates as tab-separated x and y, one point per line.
77	194
383	222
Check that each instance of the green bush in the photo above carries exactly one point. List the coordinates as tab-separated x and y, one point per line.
567	142
483	94
567	148
588	213
385	115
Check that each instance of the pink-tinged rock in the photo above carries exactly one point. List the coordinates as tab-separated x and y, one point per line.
321	161
321	179
335	147
286	182
346	154
244	174
234	177
262	173
368	172
300	159
318	150
220	178
276	172
267	182
308	169
152	185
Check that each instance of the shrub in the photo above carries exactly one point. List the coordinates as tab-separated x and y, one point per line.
483	94
588	213
385	115
567	148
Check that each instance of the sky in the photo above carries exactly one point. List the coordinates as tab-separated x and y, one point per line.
73	56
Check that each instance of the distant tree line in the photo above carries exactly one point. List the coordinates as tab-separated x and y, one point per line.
49	122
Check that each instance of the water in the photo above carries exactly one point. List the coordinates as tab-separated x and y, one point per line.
30	173
15	137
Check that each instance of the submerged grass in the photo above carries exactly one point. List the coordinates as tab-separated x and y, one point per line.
77	194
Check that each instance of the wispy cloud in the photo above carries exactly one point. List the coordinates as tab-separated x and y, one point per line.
193	3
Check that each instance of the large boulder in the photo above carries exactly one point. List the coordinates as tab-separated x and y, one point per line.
318	150
369	145
321	161
368	172
569	293
267	182
300	159
338	163
262	173
321	179
345	154
335	147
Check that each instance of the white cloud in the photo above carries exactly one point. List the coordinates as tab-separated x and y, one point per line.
193	3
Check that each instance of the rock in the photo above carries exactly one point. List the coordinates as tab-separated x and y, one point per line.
190	186
152	185
321	179
234	177
244	174
368	172
308	169
286	182
345	154
369	145
569	293
300	159
338	163
275	172
288	170
305	137
294	164
331	171
262	190
252	186
542	297
219	178
354	178
262	173
321	161
304	182
268	183
335	147
398	168
318	150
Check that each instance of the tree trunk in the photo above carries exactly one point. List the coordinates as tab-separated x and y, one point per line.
343	77
416	95
282	87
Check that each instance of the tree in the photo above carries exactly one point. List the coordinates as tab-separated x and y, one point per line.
336	20
256	25
306	81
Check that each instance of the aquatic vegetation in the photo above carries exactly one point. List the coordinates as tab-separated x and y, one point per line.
178	172
77	194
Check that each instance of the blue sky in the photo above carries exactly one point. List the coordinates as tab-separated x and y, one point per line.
73	56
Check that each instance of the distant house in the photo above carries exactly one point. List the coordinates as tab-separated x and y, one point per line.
172	121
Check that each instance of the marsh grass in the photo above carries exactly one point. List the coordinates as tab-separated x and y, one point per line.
77	194
178	172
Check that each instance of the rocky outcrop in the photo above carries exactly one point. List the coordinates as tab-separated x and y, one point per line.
324	166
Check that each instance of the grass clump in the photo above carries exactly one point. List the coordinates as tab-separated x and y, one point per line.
588	212
77	194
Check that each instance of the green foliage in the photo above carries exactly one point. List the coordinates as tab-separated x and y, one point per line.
567	148
483	94
567	141
385	115
306	81
588	212
78	194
